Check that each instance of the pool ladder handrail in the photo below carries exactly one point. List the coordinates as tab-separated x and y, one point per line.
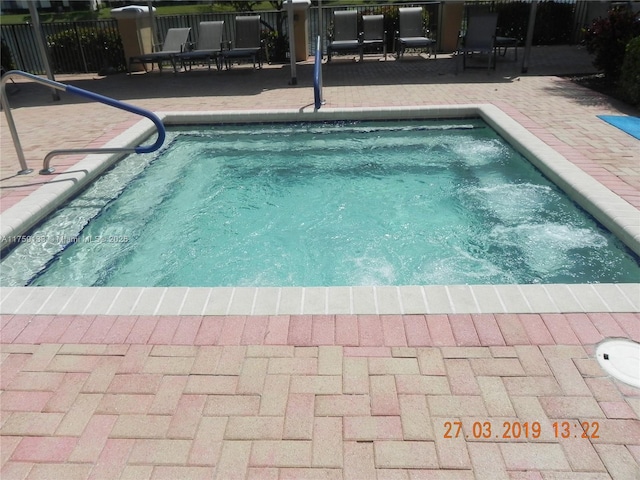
46	169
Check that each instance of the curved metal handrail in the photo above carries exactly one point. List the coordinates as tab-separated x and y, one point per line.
82	93
317	76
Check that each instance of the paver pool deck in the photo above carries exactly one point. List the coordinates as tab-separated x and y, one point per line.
106	396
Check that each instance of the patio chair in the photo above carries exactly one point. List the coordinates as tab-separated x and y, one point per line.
504	43
479	38
411	33
208	47
345	36
373	34
174	44
247	42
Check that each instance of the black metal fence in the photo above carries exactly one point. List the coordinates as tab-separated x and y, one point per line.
95	46
74	47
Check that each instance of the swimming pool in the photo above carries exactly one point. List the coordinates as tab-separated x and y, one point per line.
598	200
422	202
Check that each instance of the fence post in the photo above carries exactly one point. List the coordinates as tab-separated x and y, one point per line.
292	43
84	60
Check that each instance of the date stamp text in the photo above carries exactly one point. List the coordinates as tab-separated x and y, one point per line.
516	430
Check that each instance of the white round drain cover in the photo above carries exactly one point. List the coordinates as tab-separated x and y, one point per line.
621	359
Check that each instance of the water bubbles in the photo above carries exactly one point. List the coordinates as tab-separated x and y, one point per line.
548	247
511	202
371	270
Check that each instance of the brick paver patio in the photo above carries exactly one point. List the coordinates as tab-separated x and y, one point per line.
322	396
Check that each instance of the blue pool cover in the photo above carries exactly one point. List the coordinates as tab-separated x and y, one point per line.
630	125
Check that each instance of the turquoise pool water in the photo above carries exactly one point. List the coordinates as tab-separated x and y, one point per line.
351	203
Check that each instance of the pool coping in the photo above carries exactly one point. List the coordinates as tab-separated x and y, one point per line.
609	209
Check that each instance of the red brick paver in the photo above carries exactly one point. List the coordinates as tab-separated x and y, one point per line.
320	409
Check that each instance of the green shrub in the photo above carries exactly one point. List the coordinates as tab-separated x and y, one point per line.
608	37
512	19
553	23
5	56
553	26
276	42
86	50
630	75
276	46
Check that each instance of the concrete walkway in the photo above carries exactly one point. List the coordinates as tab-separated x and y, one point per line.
320	396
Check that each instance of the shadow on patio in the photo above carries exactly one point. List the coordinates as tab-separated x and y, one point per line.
342	71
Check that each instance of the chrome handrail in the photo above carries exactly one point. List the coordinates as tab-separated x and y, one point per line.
317	77
46	169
